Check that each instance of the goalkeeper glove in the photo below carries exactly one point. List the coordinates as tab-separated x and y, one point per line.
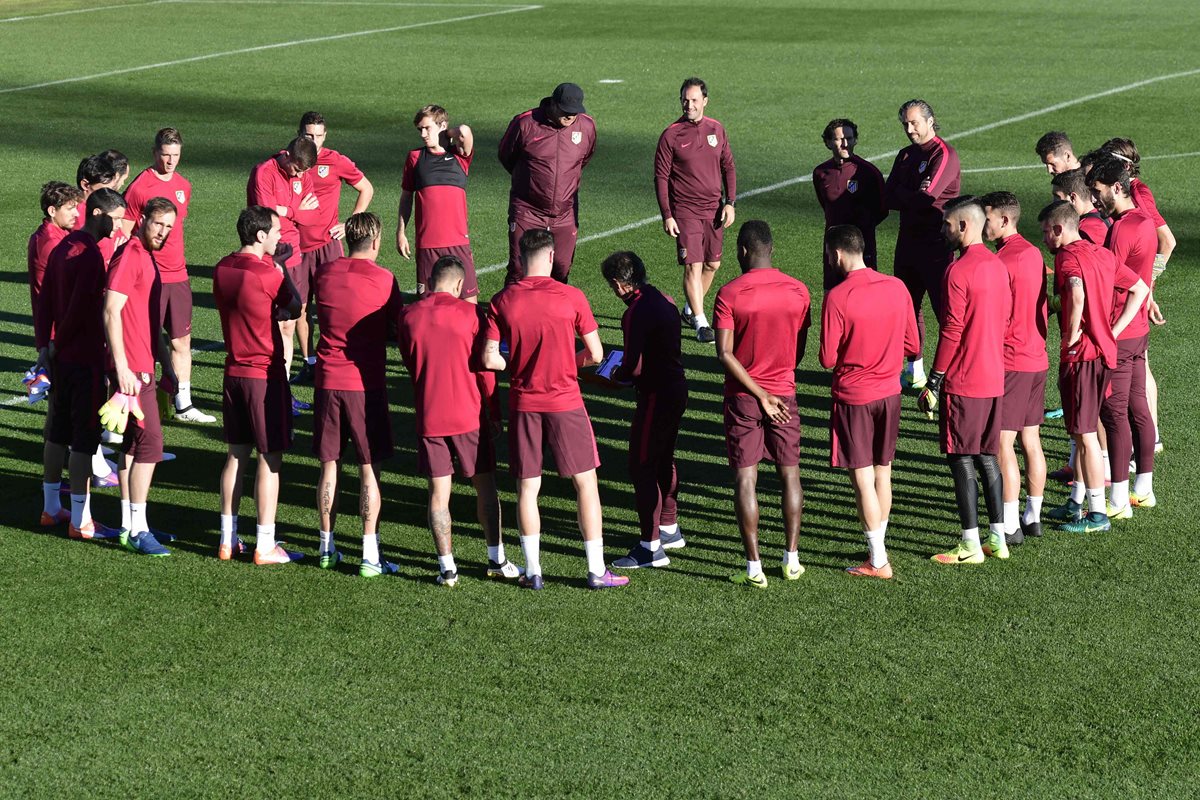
1160	266
927	400
114	414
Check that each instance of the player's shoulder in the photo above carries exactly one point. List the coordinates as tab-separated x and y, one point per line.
587	121
865	165
944	147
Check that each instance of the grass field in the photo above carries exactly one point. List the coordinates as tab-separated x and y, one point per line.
1068	671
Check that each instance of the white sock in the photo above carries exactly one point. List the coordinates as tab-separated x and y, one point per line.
137	519
227	530
791	558
594	550
264	538
701	321
1078	492
531	547
326	538
996	528
1033	510
1118	494
312	361
446	564
183	397
876	553
371	548
496	553
100	466
652	546
883	526
687	307
970	537
918	366
51	502
1095	499
1107	466
1143	483
1071	458
754	568
81	509
1012	513
126	516
673	528
1157	438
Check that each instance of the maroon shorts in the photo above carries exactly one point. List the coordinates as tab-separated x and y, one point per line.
750	435
699	241
175	309
864	435
970	426
362	418
144	440
73	418
473	453
428	256
305	275
565	230
569	434
258	412
1082	386
1024	400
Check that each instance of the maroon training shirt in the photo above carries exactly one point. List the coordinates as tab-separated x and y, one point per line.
271	186
327	176
1025	336
71	308
693	169
851	193
172	264
546	161
767	310
652	359
1144	199
41	243
134	273
357	303
1100	272
247	290
867	328
1134	241
976	307
921	210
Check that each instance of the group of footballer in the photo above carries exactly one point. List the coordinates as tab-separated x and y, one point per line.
111	299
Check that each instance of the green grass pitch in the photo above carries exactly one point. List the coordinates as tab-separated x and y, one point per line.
1068	671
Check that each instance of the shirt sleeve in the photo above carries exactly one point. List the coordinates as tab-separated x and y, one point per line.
896	194
122	275
1144	199
662	175
492	328
874	187
134	203
348	170
912	336
943	170
722	312
1125	278
43	319
510	145
816	182
831	332
635	346
954	301
591	149
408	182
585	322
728	170
392	310
306	217
274	285
262	190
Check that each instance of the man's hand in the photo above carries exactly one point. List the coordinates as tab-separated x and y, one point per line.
925	184
309	202
775	408
338	231
402	243
283	251
671	227
43	359
727	215
127	382
1156	315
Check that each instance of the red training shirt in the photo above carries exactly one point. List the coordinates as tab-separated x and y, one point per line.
767	310
693	169
976	307
867	328
540	318
1025	336
1093	227
172	264
1144	199
134	273
1100	272
71	309
247	290
271	186
1134	241
438	182
357	303
327	176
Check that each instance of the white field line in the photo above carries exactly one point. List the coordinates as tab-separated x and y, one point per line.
89	10
385	4
264	47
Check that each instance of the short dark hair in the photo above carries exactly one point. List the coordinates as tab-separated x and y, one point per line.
434	112
57	193
963	202
1060	212
1125	150
834	124
1088	159
1004	202
96	169
847	238
925	109
311	118
624	266
1052	143
253	221
755	238
362	229
167	136
303	152
1111	171
694	81
106	200
119	161
534	241
1070	182
157	206
446	269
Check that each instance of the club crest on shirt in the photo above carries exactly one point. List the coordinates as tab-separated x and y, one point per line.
297	187
576	137
323	171
180	196
852	186
712	140
921	168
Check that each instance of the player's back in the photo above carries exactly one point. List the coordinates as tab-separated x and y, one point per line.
1025	335
437	335
870	313
356	299
766	309
978	297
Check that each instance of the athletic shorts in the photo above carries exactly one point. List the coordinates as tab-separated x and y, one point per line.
569	434
428	256
699	241
751	436
1082	386
362	418
1024	400
258	412
144	440
175	309
305	275
864	435
970	425
473	452
73	418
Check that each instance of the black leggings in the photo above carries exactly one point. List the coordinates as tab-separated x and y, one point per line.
966	489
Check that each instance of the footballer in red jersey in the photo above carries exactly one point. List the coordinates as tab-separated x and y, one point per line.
967	382
867	330
762	319
1071	186
696	184
434	189
252	293
850	191
62	208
